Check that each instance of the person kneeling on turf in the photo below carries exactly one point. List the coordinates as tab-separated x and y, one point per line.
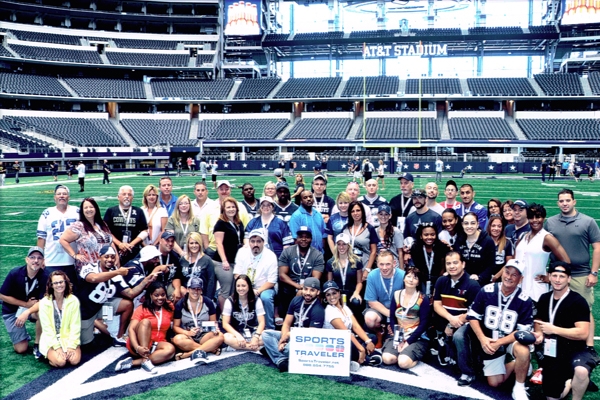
498	312
409	320
147	342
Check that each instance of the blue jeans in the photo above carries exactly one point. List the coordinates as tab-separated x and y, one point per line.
268	299
271	341
463	338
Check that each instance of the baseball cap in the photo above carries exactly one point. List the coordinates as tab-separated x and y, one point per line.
257	232
312	283
303	229
330	285
408	176
385	208
283	185
107	249
560	266
321	177
266	198
167	235
33	249
520	203
61	187
418	193
277	172
342	237
195	283
148	253
518	265
224	182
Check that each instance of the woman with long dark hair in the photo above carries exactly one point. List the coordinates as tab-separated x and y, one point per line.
60	320
453	231
390	237
147	342
504	247
90	234
478	250
363	237
243	317
428	254
507	213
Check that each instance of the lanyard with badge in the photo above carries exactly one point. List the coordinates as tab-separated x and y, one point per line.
302	263
401	218
343	272
252	268
550	342
126	232
159	317
390	291
193	312
429	263
28	291
59	313
304	314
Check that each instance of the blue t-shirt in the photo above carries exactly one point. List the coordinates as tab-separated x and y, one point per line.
376	291
336	225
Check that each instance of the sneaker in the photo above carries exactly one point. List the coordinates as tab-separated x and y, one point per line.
442	352
537	377
465	380
263	351
279	321
520	392
119	342
374	360
36	352
433	351
149	367
354	366
283	365
199	357
124	365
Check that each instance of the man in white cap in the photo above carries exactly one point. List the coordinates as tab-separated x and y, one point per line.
143	270
20	294
207	223
260	265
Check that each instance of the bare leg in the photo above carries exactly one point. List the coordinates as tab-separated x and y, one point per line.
580	382
125	310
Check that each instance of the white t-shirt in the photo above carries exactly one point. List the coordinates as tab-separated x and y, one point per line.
332	312
260	269
155	221
51	225
81	171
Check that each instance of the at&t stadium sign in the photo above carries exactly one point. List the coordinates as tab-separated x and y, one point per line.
404	50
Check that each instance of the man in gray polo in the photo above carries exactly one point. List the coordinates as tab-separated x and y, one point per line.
576	232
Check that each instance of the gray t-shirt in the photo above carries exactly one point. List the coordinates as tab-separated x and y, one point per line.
301	267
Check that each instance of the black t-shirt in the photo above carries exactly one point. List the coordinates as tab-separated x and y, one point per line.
306	316
92	295
349	285
233	239
119	223
397	210
480	259
18	285
572	309
421	261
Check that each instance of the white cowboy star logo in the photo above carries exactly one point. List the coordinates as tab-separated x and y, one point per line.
46	155
263	165
225	165
303	165
150	154
244	165
534	168
491	167
447	167
114	154
521	336
469	167
80	154
344	165
512	167
404	165
1	155
426	166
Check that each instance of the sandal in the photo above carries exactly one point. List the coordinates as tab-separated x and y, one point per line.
218	352
178	356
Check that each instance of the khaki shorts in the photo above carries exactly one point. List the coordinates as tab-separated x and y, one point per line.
578	285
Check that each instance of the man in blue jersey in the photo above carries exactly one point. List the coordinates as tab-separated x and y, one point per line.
467	196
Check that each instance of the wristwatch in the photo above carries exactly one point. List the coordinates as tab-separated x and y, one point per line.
595	273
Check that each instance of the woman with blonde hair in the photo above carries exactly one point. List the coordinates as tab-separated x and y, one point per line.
270	190
60	320
338	220
229	236
195	263
300	185
156	215
182	223
346	269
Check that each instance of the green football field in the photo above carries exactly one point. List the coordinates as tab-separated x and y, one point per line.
22	204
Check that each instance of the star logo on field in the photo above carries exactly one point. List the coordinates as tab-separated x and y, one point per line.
534	168
303	165
226	165
80	154
114	154
491	167
46	155
149	154
263	165
244	165
344	165
512	167
426	166
447	167
469	167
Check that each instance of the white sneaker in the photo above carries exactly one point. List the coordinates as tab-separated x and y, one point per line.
149	367
354	366
520	393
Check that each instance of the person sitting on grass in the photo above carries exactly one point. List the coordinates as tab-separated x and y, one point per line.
60	319
147	342
243	316
197	331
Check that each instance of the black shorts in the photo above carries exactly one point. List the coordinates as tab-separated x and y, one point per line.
415	351
214	178
558	370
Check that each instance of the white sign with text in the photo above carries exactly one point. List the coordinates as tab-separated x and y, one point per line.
319	351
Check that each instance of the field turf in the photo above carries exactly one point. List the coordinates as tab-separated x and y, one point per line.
22	204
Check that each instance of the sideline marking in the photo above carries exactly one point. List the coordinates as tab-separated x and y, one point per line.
15	213
14	245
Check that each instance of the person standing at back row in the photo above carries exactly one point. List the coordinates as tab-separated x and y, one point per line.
439	168
577	232
81	175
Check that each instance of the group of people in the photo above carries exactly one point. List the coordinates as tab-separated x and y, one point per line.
411	278
569	168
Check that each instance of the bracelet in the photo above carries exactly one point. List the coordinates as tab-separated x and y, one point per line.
368	341
256	334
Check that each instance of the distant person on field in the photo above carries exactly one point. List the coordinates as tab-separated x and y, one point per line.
106	171
54	170
81	175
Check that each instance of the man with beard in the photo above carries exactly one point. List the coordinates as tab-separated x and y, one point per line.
284	207
260	265
432	193
422	215
167	198
402	204
498	312
20	294
249	201
372	201
127	225
97	294
304	311
51	225
307	216
323	203
169	260
467	196
296	264
521	225
142	271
